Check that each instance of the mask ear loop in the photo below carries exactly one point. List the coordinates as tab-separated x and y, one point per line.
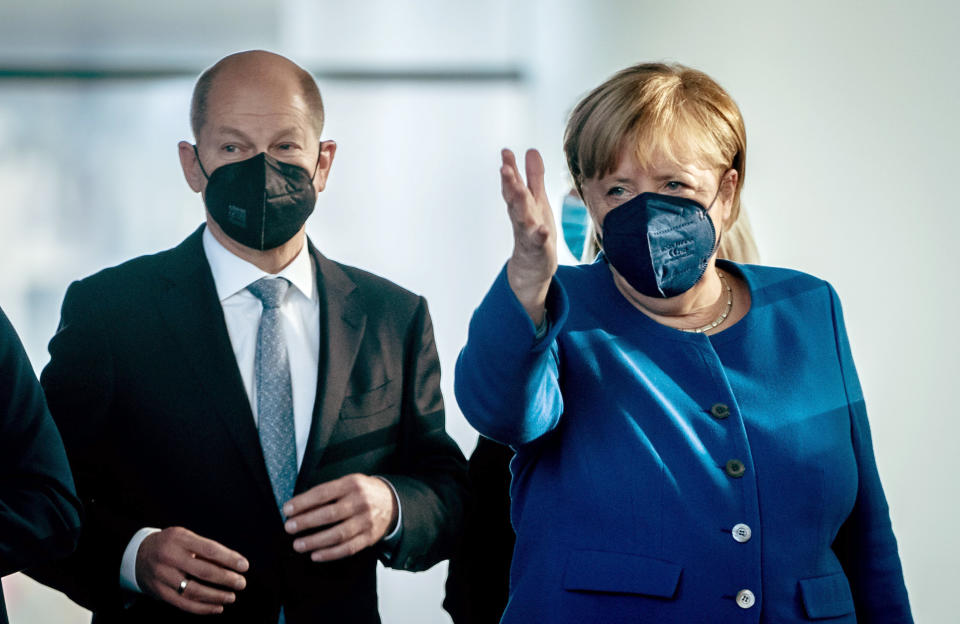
199	162
716	246
316	167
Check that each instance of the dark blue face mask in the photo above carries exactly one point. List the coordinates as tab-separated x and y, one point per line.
660	244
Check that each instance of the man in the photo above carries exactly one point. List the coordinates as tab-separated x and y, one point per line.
251	425
39	510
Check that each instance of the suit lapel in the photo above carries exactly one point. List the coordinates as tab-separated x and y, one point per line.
194	316
342	323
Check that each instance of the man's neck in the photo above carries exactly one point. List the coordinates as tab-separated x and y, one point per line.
271	261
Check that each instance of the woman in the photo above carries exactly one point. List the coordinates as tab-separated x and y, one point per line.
478	580
692	443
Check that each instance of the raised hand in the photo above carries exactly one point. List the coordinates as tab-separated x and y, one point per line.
346	515
534	258
212	571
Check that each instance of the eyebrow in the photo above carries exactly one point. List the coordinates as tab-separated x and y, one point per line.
233	131
292	131
676	173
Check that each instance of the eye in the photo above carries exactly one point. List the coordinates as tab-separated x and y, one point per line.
285	147
674	185
616	191
229	148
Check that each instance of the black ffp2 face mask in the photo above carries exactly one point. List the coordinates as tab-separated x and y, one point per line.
260	202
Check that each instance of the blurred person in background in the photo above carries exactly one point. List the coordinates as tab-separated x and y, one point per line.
252	426
39	509
691	438
478	582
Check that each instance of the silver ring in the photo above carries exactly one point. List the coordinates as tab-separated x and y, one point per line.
183	586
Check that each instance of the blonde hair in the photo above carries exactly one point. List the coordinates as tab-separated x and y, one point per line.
657	108
737	243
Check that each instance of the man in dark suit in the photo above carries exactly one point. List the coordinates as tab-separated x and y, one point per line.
39	510
251	425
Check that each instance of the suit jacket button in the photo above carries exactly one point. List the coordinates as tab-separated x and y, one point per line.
719	411
742	533
745	599
735	468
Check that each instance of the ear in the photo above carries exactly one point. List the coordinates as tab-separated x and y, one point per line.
728	190
191	167
324	162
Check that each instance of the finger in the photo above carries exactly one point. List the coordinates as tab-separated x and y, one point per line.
213	574
510	180
344	549
337	534
511	187
186	604
214	552
534	166
508	184
519	201
319	495
510	161
321	516
198	592
195	591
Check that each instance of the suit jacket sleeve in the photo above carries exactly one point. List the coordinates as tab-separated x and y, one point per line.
78	382
39	510
865	544
431	474
507	381
478	583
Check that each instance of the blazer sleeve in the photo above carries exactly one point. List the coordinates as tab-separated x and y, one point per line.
78	382
865	544
430	475
39	510
507	381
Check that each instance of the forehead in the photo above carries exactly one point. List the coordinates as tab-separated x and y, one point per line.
256	104
659	160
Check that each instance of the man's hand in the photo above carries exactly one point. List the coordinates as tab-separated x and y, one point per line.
167	558
534	259
352	513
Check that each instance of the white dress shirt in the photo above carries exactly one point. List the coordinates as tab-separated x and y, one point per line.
300	318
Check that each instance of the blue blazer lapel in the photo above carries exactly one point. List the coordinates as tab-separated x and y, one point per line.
194	316
342	323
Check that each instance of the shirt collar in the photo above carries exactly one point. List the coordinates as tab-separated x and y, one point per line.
232	274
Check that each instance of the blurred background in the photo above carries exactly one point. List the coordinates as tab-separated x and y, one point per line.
851	111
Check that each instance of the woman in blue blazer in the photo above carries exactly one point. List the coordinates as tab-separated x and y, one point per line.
691	439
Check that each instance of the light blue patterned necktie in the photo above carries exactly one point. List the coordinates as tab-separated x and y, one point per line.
274	390
275	394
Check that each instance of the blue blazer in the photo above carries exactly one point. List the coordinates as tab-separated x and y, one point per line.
664	476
